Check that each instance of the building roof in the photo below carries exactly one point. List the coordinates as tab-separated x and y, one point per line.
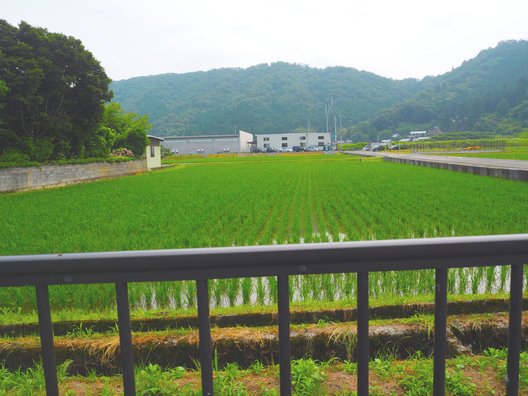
292	133
201	137
155	138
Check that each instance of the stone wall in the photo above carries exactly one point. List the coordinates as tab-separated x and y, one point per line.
19	179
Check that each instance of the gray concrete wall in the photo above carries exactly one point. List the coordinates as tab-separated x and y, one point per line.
505	173
19	179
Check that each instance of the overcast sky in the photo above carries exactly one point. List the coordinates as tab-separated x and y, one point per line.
397	39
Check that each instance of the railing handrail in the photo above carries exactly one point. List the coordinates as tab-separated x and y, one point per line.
225	262
281	261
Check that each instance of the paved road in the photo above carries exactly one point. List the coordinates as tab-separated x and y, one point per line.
471	161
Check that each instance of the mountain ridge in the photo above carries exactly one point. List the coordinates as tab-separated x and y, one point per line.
283	97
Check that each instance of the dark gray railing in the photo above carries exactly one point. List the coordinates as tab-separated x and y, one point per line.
281	261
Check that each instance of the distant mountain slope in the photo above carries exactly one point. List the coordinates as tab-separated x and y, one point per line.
486	93
266	98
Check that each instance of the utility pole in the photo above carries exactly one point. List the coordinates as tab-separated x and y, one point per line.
328	111
335	130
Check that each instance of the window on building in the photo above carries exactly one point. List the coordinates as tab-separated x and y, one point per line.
266	139
321	144
285	138
303	144
152	151
284	144
303	137
266	145
320	137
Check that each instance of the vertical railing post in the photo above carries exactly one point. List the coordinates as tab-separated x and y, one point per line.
46	340
514	330
284	335
440	332
204	329
125	338
362	333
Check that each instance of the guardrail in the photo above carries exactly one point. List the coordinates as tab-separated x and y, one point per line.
282	261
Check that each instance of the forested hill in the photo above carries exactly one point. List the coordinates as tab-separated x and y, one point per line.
279	97
488	93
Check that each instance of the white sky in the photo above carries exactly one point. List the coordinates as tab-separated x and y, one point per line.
392	38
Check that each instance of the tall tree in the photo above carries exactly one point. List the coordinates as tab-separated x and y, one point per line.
56	91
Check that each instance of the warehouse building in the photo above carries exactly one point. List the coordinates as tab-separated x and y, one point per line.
210	144
321	140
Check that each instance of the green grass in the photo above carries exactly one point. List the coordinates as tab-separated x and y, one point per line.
512	153
237	201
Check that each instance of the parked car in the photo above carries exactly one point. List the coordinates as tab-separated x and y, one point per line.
311	148
256	150
365	148
394	147
285	150
270	150
297	149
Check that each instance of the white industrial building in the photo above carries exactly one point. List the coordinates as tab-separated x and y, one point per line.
321	140
210	144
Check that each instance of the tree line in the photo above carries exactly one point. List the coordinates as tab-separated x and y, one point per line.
54	100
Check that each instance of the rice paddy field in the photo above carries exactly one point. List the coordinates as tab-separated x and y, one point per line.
260	200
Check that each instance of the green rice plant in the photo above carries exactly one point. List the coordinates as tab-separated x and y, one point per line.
462	280
451	282
349	285
177	294
247	289
190	294
261	291
273	290
217	286
328	287
233	287
490	279
476	277
504	272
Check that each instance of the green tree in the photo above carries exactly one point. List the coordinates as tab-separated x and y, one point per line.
56	91
122	129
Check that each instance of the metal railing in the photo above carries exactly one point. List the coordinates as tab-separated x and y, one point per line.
281	261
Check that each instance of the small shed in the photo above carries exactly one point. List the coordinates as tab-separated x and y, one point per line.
153	151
